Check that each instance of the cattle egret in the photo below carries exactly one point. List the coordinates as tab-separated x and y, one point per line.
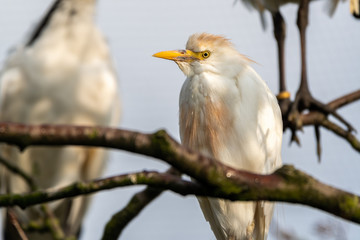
227	112
61	74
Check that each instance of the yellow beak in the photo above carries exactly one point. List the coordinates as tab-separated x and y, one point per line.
178	55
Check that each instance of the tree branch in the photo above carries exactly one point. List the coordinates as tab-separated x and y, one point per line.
14	221
344	100
316	118
53	223
287	184
138	202
151	178
15	170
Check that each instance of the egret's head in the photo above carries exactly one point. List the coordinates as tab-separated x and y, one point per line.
206	52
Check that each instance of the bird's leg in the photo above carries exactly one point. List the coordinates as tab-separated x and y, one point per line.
302	22
280	34
304	99
303	93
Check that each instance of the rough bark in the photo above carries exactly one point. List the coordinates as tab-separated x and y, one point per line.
214	179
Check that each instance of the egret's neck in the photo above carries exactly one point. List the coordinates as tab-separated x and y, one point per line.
207	88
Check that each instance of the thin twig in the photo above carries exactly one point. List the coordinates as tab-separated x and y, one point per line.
152	178
16	224
355	143
53	223
18	171
138	202
344	100
316	118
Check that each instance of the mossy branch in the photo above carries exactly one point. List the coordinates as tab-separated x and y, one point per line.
286	185
53	223
150	178
214	179
137	203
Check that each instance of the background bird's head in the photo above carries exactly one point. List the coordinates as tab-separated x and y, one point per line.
207	53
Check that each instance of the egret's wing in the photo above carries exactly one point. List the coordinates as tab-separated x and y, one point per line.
270	138
210	216
269	130
263	215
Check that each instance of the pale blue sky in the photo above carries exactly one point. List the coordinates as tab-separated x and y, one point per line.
150	87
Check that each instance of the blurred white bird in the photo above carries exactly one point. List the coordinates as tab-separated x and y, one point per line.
61	74
228	112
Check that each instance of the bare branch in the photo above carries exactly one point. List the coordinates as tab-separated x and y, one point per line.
344	100
316	118
15	170
286	184
153	179
138	202
16	224
53	223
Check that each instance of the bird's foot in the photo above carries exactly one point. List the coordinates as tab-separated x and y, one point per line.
283	95
284	102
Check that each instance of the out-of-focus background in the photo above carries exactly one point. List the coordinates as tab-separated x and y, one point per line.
150	87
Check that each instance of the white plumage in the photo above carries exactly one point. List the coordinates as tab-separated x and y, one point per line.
228	112
61	74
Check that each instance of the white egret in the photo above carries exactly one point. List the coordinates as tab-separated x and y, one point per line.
61	74
227	112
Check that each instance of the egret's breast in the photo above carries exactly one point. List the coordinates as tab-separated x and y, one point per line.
206	121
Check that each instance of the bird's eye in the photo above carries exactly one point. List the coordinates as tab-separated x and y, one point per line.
205	54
